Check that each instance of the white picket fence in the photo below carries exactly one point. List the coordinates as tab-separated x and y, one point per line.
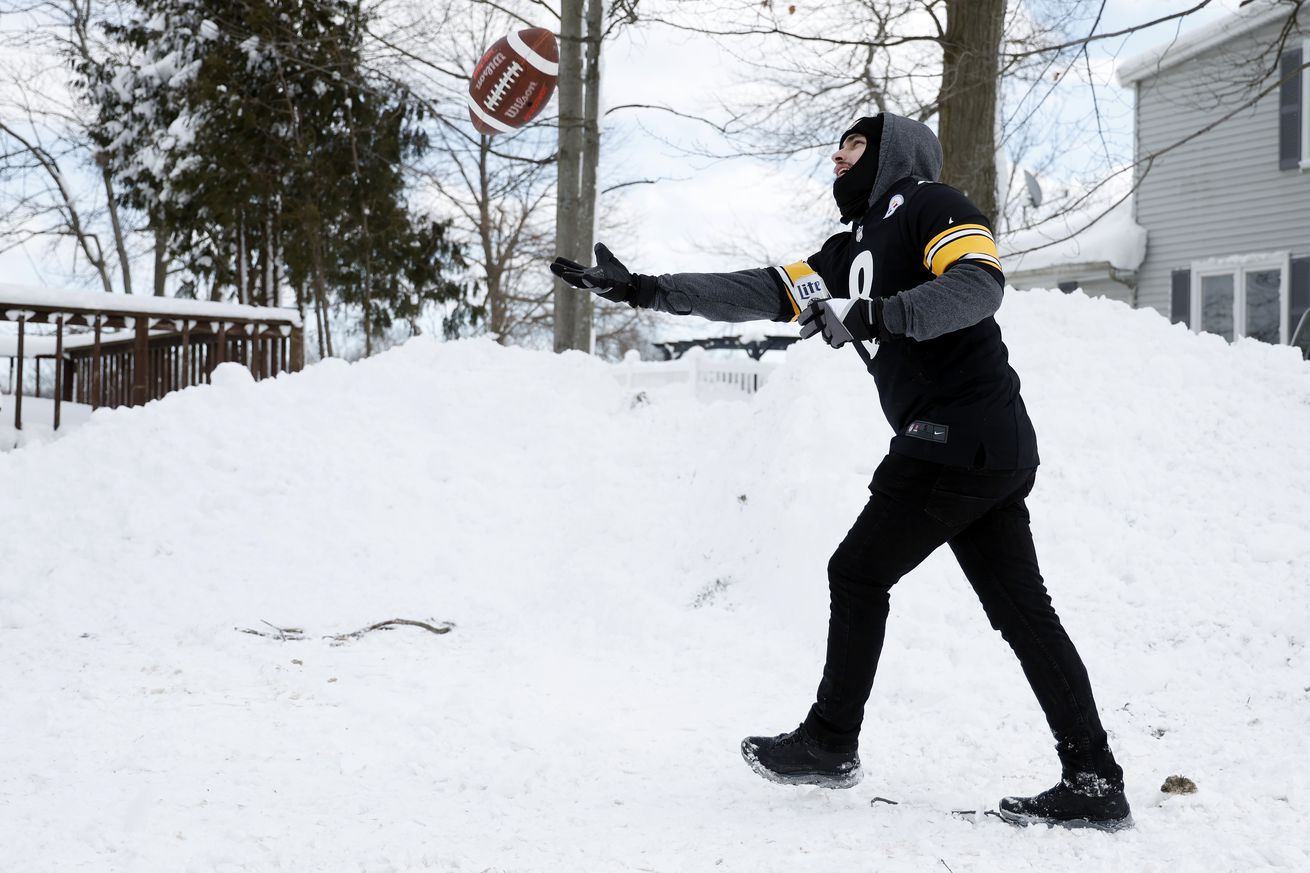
711	378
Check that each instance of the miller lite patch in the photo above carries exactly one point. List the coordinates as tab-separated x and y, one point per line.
804	286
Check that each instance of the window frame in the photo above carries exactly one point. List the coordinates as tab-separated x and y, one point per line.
1238	267
1305	106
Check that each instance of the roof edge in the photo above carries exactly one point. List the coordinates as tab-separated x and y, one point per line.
1190	45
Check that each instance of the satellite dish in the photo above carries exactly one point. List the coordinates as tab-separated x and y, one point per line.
1034	189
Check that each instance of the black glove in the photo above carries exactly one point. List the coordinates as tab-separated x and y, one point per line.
608	279
841	321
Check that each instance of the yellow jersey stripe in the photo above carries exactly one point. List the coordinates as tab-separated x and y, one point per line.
949	236
955	228
786	274
970	243
796	271
803	285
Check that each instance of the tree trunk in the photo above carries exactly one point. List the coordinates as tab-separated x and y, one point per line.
586	231
319	280
568	191
259	274
161	260
125	267
273	296
241	262
967	104
368	241
497	305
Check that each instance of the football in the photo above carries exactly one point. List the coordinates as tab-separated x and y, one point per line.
514	81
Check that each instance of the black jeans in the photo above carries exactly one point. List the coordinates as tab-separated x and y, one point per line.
914	507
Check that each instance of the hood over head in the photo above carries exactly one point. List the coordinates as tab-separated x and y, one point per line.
906	148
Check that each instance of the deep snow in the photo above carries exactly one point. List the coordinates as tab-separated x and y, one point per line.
636	586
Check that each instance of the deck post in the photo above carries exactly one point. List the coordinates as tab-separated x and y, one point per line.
18	392
59	366
97	376
141	364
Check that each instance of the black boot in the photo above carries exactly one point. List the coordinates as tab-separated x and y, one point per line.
1083	801
797	759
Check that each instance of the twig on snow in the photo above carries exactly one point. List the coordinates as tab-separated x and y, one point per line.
280	633
295	633
441	628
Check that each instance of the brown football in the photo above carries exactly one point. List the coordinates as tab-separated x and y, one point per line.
513	81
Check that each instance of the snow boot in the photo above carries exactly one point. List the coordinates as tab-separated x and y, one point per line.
1085	801
797	759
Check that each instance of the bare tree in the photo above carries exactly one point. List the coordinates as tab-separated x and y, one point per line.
48	134
966	105
988	87
519	198
581	36
62	204
498	189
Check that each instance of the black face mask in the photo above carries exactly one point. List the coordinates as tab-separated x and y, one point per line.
851	190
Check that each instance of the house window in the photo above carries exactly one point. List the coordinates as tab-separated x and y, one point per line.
1242	297
1294	109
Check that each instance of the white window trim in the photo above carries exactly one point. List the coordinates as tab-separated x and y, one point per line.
1238	267
1305	106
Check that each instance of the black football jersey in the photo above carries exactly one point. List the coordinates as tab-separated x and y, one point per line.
953	399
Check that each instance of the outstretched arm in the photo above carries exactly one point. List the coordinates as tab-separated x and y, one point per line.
746	295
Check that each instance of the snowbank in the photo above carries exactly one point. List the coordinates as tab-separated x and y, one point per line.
636	585
1114	238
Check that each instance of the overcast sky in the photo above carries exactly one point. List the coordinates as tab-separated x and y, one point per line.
707	215
712	216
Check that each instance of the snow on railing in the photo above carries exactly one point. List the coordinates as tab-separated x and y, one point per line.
712	378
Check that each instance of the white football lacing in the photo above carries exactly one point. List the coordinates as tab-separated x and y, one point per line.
502	85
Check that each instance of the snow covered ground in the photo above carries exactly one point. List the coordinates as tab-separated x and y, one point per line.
38	420
635	586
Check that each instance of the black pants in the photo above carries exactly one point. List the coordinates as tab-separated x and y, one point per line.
914	507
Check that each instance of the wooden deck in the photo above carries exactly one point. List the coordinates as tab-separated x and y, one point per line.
116	350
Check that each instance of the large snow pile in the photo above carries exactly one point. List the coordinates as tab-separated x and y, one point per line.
635	585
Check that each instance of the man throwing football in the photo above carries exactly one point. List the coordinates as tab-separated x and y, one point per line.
918	276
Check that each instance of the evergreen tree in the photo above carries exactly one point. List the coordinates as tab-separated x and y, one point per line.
262	152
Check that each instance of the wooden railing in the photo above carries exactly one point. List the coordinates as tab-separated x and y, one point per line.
133	350
175	361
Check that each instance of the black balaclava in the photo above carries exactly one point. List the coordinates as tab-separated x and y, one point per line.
851	190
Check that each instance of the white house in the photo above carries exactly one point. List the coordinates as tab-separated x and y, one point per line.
1222	152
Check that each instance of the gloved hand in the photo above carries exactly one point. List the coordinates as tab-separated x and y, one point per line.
608	279
843	320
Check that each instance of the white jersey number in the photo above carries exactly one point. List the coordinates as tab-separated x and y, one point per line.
860	282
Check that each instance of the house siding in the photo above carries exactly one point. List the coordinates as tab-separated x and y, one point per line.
1222	193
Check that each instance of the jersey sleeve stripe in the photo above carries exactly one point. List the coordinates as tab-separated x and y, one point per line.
954	229
803	285
983	258
957	246
789	285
